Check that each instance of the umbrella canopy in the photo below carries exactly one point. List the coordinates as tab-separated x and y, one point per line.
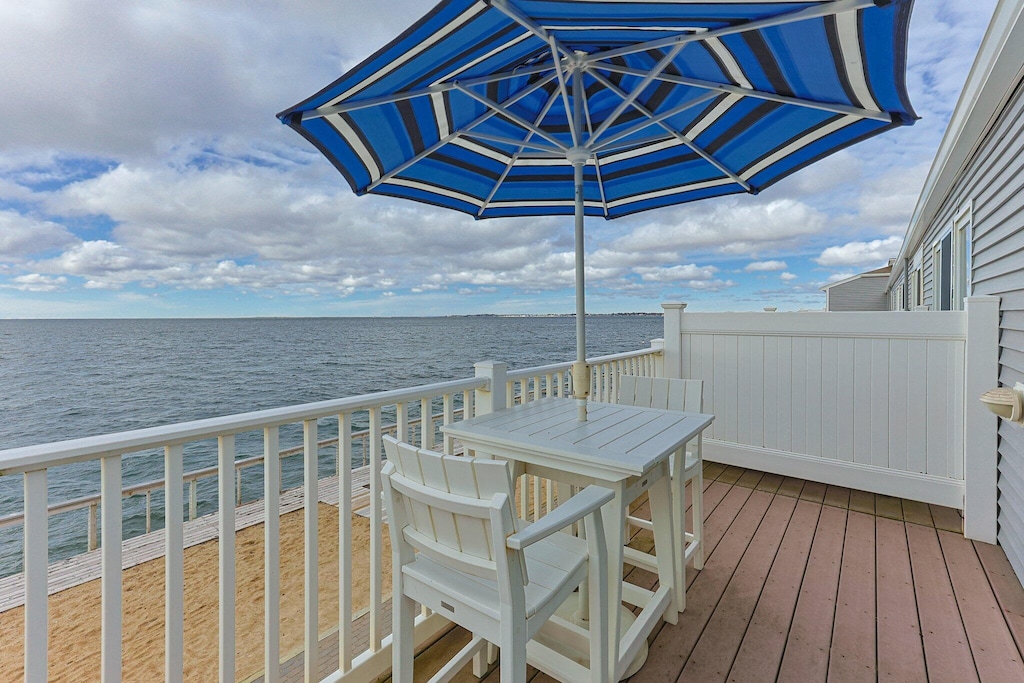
605	108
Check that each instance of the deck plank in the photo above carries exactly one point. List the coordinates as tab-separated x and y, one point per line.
731	475
806	654
739	513
917	513
853	655
764	642
947	653
1005	587
750	479
947	519
770	483
814	492
987	633
791	487
838	496
887	506
862	501
900	649
714	652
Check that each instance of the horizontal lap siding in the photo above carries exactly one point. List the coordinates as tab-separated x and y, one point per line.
862	294
883	402
994	183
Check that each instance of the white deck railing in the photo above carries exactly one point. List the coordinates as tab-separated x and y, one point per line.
477	394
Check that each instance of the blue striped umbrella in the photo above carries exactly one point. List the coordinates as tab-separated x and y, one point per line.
609	107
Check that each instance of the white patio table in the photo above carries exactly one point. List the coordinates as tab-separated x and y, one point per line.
624	448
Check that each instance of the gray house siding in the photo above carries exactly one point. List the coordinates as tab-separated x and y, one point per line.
865	293
992	185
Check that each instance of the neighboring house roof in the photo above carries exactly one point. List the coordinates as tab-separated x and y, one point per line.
997	69
878	272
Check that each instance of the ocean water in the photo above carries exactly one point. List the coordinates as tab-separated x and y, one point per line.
64	379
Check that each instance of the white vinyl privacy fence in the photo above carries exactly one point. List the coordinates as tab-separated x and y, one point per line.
878	401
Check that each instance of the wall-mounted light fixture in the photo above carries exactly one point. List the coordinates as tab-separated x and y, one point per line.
1005	402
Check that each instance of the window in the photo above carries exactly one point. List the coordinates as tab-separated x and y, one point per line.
961	257
942	273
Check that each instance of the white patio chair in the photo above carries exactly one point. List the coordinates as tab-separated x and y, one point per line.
686	466
459	549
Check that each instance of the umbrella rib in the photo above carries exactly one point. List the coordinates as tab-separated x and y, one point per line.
515	157
355	105
635	93
515	118
513	142
517	16
564	89
728	88
655	118
679	136
451	136
821	10
597	162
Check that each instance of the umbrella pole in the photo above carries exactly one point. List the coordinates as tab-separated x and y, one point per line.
580	370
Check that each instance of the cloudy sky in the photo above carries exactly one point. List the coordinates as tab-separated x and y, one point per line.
143	173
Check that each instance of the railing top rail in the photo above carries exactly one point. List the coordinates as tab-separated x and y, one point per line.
862	324
27	458
562	367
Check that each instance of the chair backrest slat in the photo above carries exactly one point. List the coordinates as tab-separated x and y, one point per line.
448	506
662	392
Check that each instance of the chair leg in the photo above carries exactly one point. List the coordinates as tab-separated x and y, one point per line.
512	652
678	483
698	516
402	620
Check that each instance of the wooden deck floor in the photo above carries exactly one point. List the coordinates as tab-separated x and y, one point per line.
807	582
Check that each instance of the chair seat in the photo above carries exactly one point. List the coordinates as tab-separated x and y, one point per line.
553	567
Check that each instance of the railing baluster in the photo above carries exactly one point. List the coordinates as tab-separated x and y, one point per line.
344	542
226	516
312	556
401	422
110	571
272	555
448	418
36	617
468	410
376	528
149	512
426	423
238	486
93	536
193	501
174	567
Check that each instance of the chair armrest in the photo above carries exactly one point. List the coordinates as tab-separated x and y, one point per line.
586	502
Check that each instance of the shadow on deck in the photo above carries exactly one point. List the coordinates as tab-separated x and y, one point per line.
807	582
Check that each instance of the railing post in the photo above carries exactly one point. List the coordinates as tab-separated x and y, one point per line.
491	397
673	352
658	346
981	373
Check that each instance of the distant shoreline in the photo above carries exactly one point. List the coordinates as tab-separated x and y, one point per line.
363	317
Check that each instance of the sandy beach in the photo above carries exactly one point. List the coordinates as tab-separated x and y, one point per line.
75	613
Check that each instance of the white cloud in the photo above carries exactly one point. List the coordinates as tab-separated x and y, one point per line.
677	273
764	266
875	252
22	236
788	277
36	282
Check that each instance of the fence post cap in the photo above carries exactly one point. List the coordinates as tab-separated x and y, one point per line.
674	306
